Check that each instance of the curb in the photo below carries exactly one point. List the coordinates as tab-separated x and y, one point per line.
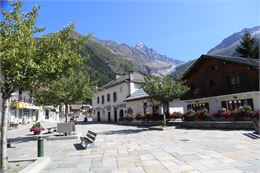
161	128
35	167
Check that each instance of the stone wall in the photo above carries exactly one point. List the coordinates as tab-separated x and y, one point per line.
227	125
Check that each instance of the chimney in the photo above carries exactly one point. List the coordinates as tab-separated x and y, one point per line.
131	73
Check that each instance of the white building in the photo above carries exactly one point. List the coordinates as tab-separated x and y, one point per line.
140	103
109	103
23	109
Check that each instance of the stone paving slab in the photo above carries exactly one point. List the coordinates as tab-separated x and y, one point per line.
128	149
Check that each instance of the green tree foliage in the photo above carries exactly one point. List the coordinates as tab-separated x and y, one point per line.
28	63
75	86
164	89
248	47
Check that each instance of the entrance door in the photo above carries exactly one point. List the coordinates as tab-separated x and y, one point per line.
115	114
109	116
98	116
121	114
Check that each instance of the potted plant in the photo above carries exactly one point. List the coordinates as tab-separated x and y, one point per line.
189	116
36	128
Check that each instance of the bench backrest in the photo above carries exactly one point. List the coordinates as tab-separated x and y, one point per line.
92	133
91	137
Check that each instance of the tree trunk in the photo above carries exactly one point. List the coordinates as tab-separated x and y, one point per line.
66	112
164	115
3	140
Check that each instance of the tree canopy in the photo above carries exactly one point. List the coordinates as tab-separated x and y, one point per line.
28	63
248	47
164	89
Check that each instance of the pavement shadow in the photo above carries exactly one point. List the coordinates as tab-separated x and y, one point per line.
79	147
23	139
252	135
123	132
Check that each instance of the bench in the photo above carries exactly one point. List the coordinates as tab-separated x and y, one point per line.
13	125
89	139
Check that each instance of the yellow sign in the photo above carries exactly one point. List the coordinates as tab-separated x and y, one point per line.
19	105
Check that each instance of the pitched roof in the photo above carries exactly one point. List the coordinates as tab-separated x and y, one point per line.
244	61
135	77
138	94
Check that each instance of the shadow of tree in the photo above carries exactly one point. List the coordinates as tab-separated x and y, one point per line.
123	132
22	139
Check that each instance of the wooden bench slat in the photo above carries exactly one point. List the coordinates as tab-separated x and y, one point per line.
91	137
92	133
86	140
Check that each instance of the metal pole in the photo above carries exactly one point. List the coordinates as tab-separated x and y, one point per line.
40	147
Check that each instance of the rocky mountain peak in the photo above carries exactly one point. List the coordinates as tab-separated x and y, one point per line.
140	45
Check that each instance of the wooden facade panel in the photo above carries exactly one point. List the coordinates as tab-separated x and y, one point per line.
213	77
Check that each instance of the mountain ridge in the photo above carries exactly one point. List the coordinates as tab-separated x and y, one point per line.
147	58
228	45
225	48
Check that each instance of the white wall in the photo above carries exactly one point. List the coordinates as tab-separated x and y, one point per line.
177	106
137	106
215	102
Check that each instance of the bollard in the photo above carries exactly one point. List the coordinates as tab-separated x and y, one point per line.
40	147
8	143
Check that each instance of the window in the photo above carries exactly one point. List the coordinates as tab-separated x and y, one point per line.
235	104
233	80
103	99
214	67
129	111
97	100
198	106
155	110
114	96
196	91
212	83
145	107
108	97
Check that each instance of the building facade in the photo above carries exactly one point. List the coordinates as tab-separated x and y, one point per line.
22	109
218	82
109	103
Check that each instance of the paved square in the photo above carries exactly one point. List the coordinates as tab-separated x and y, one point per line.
128	149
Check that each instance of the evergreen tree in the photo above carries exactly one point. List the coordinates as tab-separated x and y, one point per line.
248	47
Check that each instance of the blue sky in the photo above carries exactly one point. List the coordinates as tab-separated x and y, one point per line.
181	29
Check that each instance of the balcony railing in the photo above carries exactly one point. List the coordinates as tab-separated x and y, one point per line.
23	99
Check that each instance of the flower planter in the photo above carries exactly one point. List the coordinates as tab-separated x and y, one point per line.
36	130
